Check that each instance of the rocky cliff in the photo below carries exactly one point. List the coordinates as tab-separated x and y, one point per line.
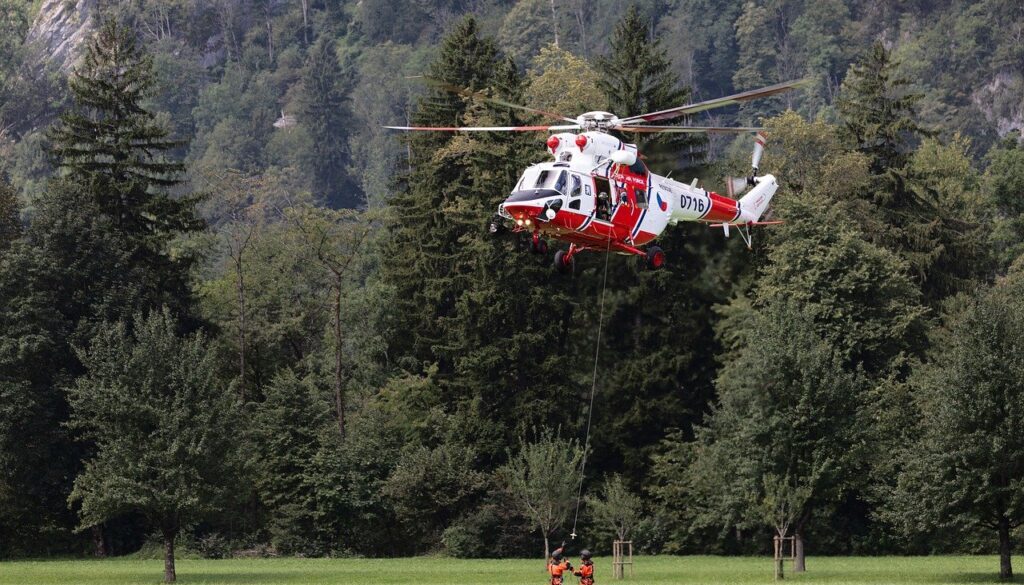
59	30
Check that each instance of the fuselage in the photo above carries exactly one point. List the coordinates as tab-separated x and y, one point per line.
601	204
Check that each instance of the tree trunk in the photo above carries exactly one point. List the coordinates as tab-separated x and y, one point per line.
547	550
169	575
339	390
241	327
799	565
554	22
305	21
270	31
779	565
99	543
1005	546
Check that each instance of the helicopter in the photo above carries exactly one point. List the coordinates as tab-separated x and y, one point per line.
598	195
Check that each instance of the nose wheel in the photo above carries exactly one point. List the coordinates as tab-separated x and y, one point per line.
564	263
565	260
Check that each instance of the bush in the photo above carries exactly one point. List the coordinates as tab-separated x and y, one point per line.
651	535
213	546
490	531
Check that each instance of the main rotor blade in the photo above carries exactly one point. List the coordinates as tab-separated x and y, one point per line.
690	129
483	128
481	96
718	102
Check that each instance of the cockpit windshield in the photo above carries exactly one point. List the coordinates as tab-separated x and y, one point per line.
543	178
539	182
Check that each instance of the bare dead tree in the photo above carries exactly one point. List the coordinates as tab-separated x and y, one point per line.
554	22
305	21
335	238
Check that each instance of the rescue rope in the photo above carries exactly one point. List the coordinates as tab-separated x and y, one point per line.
593	385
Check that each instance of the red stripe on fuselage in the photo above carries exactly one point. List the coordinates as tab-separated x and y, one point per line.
722	208
596	234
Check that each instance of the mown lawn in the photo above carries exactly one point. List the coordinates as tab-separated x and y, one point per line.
440	571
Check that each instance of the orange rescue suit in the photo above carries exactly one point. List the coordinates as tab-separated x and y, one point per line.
585	573
555	569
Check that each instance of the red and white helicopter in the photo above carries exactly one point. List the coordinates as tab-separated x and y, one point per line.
597	194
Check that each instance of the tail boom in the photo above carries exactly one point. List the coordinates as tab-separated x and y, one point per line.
753	205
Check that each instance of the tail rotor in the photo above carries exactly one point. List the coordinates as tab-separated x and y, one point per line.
755	159
736	186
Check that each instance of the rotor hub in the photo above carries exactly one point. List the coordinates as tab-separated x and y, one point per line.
597	121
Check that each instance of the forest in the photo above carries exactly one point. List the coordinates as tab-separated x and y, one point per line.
236	313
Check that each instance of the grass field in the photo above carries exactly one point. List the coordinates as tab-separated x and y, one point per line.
439	571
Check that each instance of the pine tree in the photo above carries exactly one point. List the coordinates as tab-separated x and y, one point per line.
466	300
930	222
324	112
10	224
658	343
288	426
69	273
637	78
116	151
422	236
879	115
97	250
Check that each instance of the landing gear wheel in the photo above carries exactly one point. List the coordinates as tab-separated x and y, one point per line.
539	246
655	258
564	264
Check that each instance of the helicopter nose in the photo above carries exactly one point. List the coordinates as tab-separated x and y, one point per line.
524	214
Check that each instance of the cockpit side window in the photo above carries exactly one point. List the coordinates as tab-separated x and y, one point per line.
641	198
577	186
560	183
541	179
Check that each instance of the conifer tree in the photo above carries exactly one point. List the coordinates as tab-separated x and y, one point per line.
474	304
936	232
879	114
324	112
112	148
422	221
637	77
10	225
658	344
97	250
288	428
69	273
422	237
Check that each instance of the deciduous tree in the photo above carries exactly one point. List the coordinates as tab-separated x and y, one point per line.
967	467
542	479
616	509
787	408
164	428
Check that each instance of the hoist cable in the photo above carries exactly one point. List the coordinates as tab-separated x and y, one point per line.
593	385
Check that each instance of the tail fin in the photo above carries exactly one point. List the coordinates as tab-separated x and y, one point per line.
754	204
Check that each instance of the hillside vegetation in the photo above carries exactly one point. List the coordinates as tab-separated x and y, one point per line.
238	313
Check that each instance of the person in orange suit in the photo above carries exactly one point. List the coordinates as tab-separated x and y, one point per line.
586	570
557	566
